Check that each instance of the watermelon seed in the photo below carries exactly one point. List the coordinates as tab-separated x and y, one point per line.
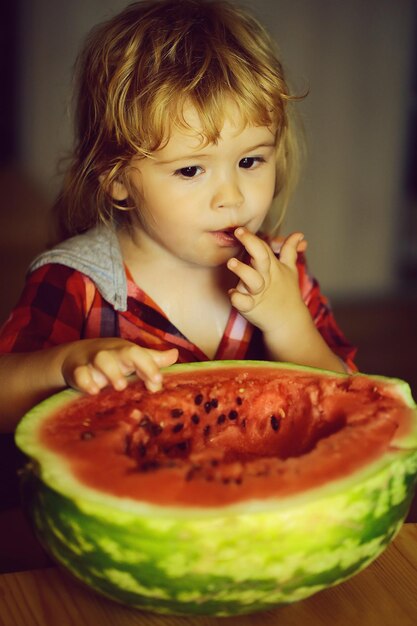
233	415
275	422
198	399
142	450
221	419
145	422
183	445
243	423
207	407
156	429
176	413
149	465
214	403
207	430
239	400
195	419
178	427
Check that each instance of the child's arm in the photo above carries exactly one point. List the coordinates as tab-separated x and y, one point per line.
268	295
87	365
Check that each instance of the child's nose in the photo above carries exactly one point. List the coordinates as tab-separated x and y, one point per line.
227	194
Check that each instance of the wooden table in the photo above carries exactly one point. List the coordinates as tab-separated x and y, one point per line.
384	594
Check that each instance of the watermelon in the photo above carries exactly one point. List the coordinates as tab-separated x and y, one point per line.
241	485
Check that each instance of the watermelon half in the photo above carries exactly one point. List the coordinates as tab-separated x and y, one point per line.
239	486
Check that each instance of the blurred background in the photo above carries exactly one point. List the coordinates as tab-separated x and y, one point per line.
357	198
356	201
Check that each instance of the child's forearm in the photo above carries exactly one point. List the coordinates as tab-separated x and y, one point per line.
307	347
26	379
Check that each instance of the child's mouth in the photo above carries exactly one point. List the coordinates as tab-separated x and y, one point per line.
225	238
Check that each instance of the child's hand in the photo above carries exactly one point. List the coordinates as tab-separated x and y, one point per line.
91	364
268	293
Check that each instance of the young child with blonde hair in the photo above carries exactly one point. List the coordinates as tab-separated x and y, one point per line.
184	161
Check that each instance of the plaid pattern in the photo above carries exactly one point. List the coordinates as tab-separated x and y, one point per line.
59	305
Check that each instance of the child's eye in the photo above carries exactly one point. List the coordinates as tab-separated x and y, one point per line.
188	172
248	163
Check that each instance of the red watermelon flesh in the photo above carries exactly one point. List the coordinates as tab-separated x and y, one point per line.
220	436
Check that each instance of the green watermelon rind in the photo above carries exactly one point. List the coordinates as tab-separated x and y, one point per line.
231	560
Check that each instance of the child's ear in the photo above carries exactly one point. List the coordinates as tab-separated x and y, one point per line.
118	191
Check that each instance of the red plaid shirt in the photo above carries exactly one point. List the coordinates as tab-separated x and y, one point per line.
60	304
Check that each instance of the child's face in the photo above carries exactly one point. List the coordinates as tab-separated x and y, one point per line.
193	195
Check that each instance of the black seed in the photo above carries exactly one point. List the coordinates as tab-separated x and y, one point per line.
214	403
177	427
238	481
233	415
142	450
214	462
156	429
207	430
177	412
221	419
195	418
183	445
239	400
207	407
145	422
87	435
275	422
198	399
149	466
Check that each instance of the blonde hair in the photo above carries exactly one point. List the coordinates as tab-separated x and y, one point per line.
134	77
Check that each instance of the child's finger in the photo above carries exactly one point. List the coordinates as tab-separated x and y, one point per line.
86	379
147	363
99	379
252	279
259	251
276	245
288	254
161	359
111	365
164	358
243	302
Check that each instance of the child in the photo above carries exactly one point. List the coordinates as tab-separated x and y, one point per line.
184	139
